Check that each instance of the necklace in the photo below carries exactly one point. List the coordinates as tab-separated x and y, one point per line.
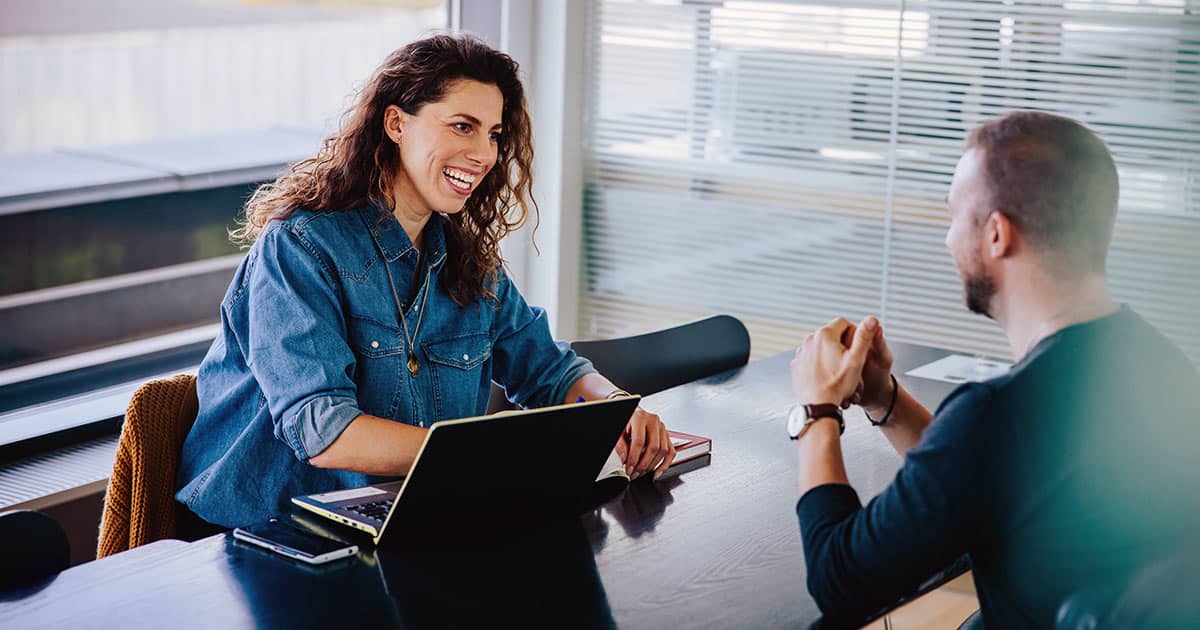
412	364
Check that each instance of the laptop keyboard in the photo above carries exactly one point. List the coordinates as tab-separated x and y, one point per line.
376	510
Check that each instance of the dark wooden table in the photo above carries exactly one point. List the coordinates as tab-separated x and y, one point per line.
716	547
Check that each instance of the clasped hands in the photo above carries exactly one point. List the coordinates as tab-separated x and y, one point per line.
844	364
841	363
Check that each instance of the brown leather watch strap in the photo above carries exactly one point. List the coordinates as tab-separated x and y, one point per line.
826	410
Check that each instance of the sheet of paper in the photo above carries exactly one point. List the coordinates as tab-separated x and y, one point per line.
612	467
959	368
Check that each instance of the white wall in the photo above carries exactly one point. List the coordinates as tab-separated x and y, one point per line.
547	38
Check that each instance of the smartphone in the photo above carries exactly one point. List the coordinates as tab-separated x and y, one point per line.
293	543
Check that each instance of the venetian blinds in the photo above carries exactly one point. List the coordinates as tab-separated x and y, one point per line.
787	162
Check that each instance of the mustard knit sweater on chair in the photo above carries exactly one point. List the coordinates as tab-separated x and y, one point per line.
139	506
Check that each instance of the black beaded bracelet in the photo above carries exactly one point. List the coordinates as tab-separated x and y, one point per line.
891	406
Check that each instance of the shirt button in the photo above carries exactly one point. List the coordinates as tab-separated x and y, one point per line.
466	357
374	344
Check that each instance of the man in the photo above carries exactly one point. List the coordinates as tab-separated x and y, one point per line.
1073	470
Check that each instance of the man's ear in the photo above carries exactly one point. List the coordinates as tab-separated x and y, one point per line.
999	235
393	122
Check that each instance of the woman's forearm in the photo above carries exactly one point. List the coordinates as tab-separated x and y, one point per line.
590	387
373	446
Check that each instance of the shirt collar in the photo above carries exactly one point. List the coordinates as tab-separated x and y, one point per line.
393	241
1123	310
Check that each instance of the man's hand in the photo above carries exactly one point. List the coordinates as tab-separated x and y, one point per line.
825	370
875	391
645	445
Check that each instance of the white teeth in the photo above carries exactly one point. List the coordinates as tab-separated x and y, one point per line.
459	179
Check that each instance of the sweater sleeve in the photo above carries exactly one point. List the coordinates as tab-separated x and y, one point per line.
861	560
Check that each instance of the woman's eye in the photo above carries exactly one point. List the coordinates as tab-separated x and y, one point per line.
463	127
496	136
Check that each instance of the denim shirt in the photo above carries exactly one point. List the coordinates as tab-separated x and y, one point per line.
310	339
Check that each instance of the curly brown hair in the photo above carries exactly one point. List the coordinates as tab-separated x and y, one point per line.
357	165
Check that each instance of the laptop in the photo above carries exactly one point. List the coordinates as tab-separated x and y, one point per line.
512	464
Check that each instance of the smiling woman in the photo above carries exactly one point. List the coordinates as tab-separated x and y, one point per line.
439	88
373	301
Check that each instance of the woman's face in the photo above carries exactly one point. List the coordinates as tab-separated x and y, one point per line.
446	148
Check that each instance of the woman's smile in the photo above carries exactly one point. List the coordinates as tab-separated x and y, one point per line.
460	181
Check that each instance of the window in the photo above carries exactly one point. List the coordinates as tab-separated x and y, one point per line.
129	141
178	68
787	162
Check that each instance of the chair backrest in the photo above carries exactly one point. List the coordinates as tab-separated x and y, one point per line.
139	506
33	546
649	363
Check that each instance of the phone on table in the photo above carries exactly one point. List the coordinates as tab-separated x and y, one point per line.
293	543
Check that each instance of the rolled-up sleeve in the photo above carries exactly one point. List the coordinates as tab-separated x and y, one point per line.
296	345
533	369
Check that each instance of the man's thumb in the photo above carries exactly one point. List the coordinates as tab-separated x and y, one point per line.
863	337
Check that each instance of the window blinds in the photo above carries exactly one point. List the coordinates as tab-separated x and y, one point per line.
788	162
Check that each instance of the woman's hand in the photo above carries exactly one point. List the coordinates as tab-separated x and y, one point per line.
645	446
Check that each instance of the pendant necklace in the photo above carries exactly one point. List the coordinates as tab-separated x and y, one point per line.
412	364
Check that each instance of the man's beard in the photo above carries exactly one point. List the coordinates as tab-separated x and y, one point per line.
978	290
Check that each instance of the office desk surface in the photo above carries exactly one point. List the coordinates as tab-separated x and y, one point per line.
715	547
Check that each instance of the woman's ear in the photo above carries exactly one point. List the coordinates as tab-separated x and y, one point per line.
393	122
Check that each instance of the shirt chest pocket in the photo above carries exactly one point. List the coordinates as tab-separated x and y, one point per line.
380	355
457	367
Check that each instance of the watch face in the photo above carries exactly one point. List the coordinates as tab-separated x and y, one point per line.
795	421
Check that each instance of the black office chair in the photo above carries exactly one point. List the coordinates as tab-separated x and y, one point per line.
34	547
974	621
1163	595
649	363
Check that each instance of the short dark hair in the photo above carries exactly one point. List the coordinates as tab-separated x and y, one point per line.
1054	179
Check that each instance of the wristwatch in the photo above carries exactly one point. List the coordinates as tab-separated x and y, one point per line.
801	416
